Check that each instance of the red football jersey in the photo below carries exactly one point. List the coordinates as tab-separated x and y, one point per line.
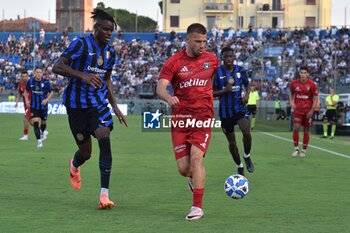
303	94
191	80
21	90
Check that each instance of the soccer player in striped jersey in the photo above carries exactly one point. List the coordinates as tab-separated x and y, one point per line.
88	63
230	84
41	94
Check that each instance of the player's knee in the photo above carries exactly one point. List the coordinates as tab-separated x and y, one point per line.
196	160
183	169
232	144
247	136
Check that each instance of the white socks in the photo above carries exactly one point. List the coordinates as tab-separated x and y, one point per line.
104	191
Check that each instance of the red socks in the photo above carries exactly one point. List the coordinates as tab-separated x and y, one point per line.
296	138
306	140
197	197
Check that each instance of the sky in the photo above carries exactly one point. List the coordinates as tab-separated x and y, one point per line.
46	9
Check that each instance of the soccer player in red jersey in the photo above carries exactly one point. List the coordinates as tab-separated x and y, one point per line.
303	98
20	93
190	73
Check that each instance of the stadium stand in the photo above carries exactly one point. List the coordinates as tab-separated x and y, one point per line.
271	56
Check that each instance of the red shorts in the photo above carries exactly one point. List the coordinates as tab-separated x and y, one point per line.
300	118
27	113
183	139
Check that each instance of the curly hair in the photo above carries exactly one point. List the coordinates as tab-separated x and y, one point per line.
99	15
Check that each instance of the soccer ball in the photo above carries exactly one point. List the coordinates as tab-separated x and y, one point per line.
236	186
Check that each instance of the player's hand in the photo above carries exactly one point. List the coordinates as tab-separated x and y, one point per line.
245	100
92	79
293	105
28	104
120	115
309	114
44	102
173	101
228	87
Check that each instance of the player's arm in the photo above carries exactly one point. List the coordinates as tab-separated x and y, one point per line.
245	93
314	105
49	95
46	100
246	87
163	93
226	89
26	97
112	102
291	100
216	91
18	97
62	67
292	96
315	100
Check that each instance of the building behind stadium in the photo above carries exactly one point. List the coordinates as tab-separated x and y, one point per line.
178	14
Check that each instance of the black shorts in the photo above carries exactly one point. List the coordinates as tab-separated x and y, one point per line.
331	115
251	109
36	113
228	124
84	121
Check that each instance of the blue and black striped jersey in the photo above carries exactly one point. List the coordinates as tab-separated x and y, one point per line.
231	102
86	56
40	90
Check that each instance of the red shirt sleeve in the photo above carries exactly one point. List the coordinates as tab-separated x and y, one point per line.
292	87
167	71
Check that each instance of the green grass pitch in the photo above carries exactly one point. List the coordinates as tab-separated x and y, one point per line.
286	194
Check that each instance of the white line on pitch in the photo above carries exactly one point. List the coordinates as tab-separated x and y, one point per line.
316	147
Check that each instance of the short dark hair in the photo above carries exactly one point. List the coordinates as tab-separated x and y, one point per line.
98	15
304	68
196	27
24	72
226	49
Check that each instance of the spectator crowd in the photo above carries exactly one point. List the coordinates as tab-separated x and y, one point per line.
325	52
